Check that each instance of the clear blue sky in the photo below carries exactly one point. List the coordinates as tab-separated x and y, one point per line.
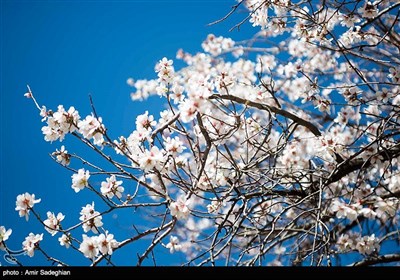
65	50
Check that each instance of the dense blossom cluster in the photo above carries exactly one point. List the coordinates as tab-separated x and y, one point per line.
102	244
365	245
282	148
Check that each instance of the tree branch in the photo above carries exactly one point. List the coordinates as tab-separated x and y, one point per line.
264	107
349	166
377	260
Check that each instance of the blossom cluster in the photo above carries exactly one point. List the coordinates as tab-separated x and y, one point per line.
62	122
103	244
293	131
365	245
91	219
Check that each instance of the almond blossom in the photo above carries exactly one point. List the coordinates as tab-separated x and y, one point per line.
62	156
92	220
92	127
151	159
179	208
348	20
174	146
345	243
188	110
93	246
53	223
112	187
106	243
260	16
344	211
89	246
31	243
214	206
80	180
25	203
367	244
216	45
65	240
165	70
394	74
145	122
387	207
173	244
383	96
4	235
59	123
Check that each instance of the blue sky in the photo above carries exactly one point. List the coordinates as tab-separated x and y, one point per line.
65	50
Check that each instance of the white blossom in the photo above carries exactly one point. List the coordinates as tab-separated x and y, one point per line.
130	82
53	223
150	159
106	243
144	88
188	109
343	210
366	245
31	243
145	122
260	17
91	218
65	240
345	243
92	246
367	213
59	123
383	96
92	127
4	235
62	156
348	20
216	45
179	208
89	246
80	180
112	187
165	70
394	74
386	207
25	203
174	146
173	244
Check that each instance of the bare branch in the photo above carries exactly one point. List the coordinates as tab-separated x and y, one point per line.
389	258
